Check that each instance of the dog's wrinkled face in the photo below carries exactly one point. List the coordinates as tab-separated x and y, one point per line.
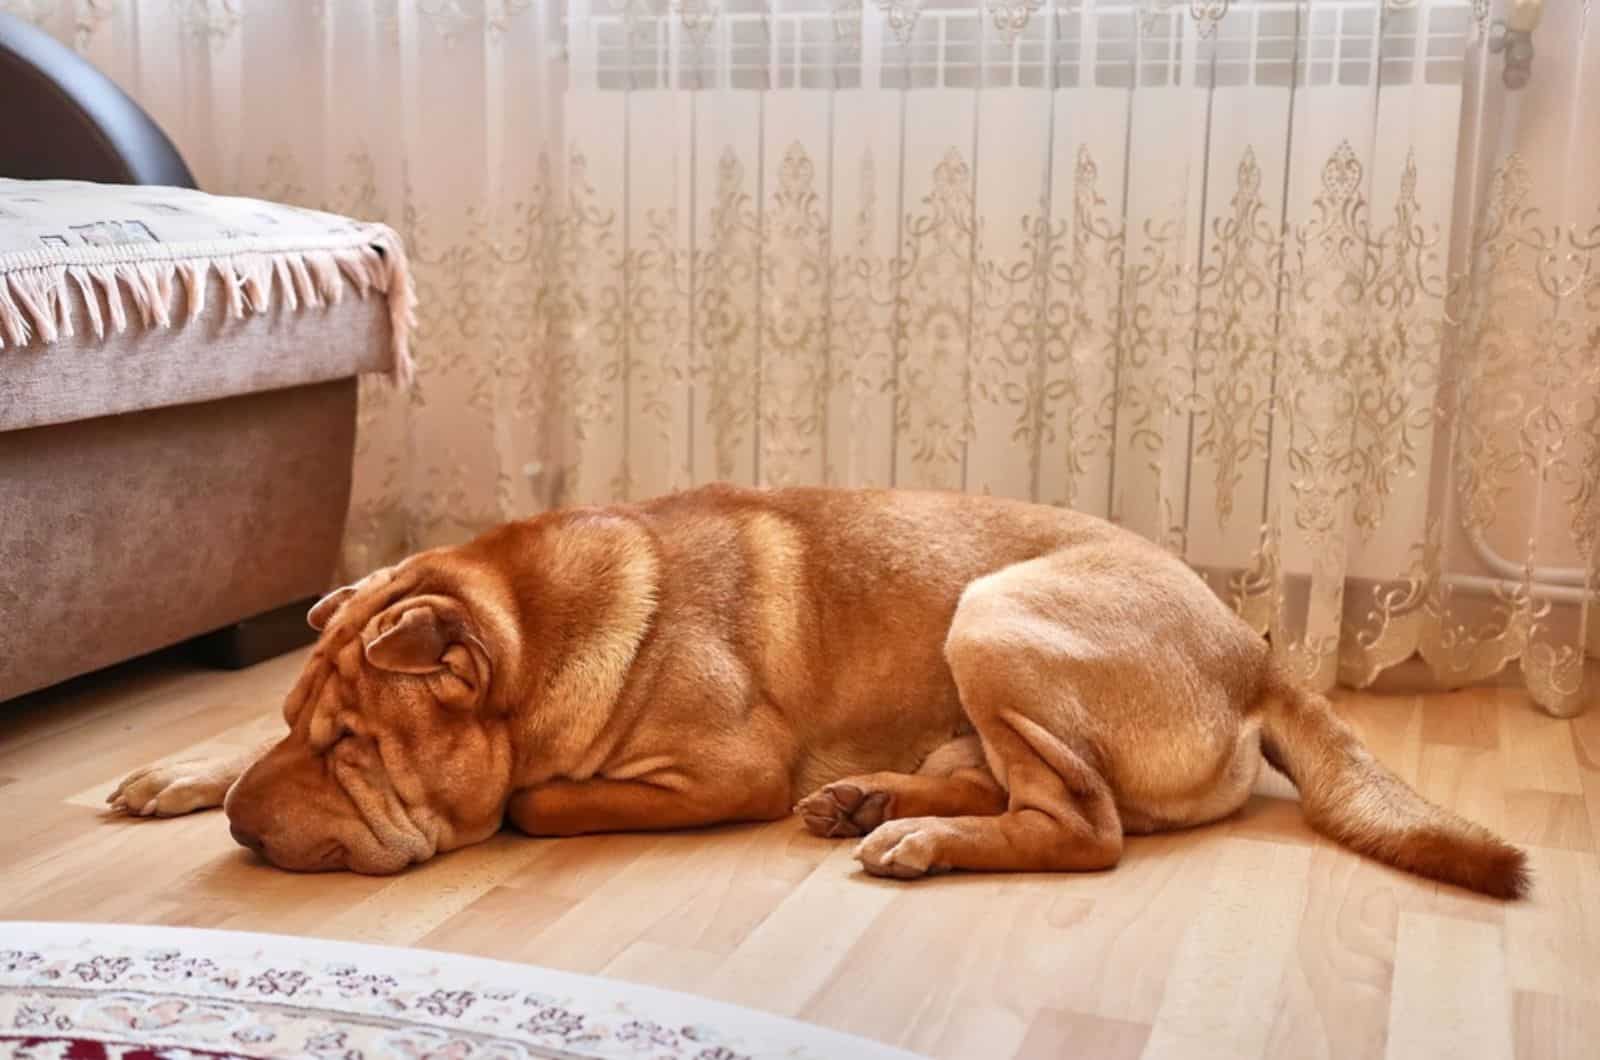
393	753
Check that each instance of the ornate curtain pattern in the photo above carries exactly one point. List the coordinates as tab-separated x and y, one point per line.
1299	288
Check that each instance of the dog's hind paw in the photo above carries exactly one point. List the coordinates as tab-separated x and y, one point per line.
904	849
843	810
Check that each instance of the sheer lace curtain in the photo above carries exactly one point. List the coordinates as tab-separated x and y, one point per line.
1306	290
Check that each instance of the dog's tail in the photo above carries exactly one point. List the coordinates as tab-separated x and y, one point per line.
1350	797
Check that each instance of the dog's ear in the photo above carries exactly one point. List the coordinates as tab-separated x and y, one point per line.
395	580
428	635
323	610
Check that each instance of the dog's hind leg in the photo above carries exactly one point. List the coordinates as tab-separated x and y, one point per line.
1023	676
176	788
953	781
1060	817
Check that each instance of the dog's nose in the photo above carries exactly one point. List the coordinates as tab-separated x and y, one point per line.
245	839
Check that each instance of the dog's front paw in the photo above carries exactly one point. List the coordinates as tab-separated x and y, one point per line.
169	790
904	849
843	810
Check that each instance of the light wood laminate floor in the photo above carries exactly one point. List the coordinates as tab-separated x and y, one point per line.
1252	938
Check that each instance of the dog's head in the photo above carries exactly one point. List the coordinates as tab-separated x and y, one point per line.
396	751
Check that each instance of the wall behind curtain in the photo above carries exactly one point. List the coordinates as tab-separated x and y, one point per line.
1298	288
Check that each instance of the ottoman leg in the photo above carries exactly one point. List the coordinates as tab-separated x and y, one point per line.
258	638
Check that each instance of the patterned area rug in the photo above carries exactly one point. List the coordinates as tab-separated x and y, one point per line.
91	991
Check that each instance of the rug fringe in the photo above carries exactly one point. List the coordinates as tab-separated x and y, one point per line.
36	302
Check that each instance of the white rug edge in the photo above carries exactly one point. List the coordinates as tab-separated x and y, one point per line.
738	1019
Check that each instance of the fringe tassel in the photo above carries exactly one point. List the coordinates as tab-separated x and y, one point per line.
153	293
90	298
194	287
402	306
350	264
64	311
131	282
231	286
280	277
324	271
36	302
304	289
106	277
13	325
255	280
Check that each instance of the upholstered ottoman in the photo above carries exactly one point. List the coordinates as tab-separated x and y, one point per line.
177	411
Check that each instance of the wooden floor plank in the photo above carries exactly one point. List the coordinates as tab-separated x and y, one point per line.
1537	748
1548	819
822	917
1055	1034
1553	938
1462	719
1340	973
1555	1028
1451	998
1229	973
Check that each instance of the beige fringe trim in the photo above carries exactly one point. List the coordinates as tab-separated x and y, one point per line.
36	299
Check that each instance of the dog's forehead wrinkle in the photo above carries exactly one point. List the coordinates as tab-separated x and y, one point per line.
319	700
349	660
307	689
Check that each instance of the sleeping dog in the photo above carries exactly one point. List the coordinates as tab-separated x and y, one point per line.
962	682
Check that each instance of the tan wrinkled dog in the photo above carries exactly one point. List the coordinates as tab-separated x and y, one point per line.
968	683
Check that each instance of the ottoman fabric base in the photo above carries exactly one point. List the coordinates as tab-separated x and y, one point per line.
123	534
